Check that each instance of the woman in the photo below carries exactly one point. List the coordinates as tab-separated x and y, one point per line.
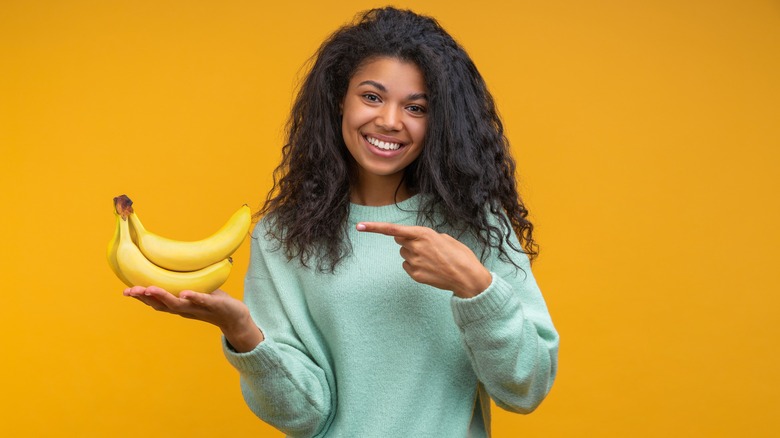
389	291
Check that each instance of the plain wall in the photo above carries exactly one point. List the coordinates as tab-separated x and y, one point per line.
647	139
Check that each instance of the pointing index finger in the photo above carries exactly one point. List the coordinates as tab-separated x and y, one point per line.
388	229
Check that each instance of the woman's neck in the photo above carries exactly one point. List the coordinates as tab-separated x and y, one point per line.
379	191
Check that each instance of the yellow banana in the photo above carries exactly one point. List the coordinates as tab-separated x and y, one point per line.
139	271
112	247
179	255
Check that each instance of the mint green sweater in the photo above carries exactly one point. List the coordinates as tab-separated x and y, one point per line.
368	352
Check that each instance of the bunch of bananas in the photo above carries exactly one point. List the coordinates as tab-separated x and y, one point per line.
141	258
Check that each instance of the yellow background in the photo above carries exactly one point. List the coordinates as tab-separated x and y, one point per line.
648	146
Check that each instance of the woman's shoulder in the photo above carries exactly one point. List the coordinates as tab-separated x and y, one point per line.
266	235
262	225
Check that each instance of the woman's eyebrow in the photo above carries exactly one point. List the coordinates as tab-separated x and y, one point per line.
417	96
382	88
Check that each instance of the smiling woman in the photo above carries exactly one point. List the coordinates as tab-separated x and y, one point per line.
647	143
393	253
384	124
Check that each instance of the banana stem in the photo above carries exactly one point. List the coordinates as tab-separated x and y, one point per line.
123	206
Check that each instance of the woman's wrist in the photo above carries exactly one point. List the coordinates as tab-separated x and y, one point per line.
243	335
474	283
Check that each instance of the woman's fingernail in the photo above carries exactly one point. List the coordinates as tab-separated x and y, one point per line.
361	227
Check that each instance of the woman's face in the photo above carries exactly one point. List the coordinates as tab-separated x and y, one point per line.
384	119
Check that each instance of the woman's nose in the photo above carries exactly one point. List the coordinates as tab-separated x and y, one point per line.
390	118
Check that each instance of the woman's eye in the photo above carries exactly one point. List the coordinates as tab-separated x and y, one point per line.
416	109
371	97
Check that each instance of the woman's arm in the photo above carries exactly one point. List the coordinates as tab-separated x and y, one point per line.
511	340
506	328
286	379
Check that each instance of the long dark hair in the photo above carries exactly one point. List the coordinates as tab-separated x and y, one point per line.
465	171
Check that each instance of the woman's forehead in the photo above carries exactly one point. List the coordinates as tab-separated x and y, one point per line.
384	72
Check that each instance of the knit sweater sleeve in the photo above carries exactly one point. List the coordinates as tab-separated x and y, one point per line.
509	336
282	380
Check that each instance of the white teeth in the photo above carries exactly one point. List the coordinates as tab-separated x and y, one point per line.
383	145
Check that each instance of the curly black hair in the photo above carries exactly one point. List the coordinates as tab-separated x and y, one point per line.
465	171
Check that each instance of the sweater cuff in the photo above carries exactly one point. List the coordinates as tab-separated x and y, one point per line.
490	301
261	359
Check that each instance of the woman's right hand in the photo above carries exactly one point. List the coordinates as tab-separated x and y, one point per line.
217	308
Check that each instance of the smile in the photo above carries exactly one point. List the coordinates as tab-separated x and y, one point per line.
383	144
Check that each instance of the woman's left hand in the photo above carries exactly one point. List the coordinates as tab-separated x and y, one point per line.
435	259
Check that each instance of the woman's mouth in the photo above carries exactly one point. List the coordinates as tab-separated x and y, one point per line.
384	145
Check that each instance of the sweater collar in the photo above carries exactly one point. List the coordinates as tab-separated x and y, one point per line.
385	213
